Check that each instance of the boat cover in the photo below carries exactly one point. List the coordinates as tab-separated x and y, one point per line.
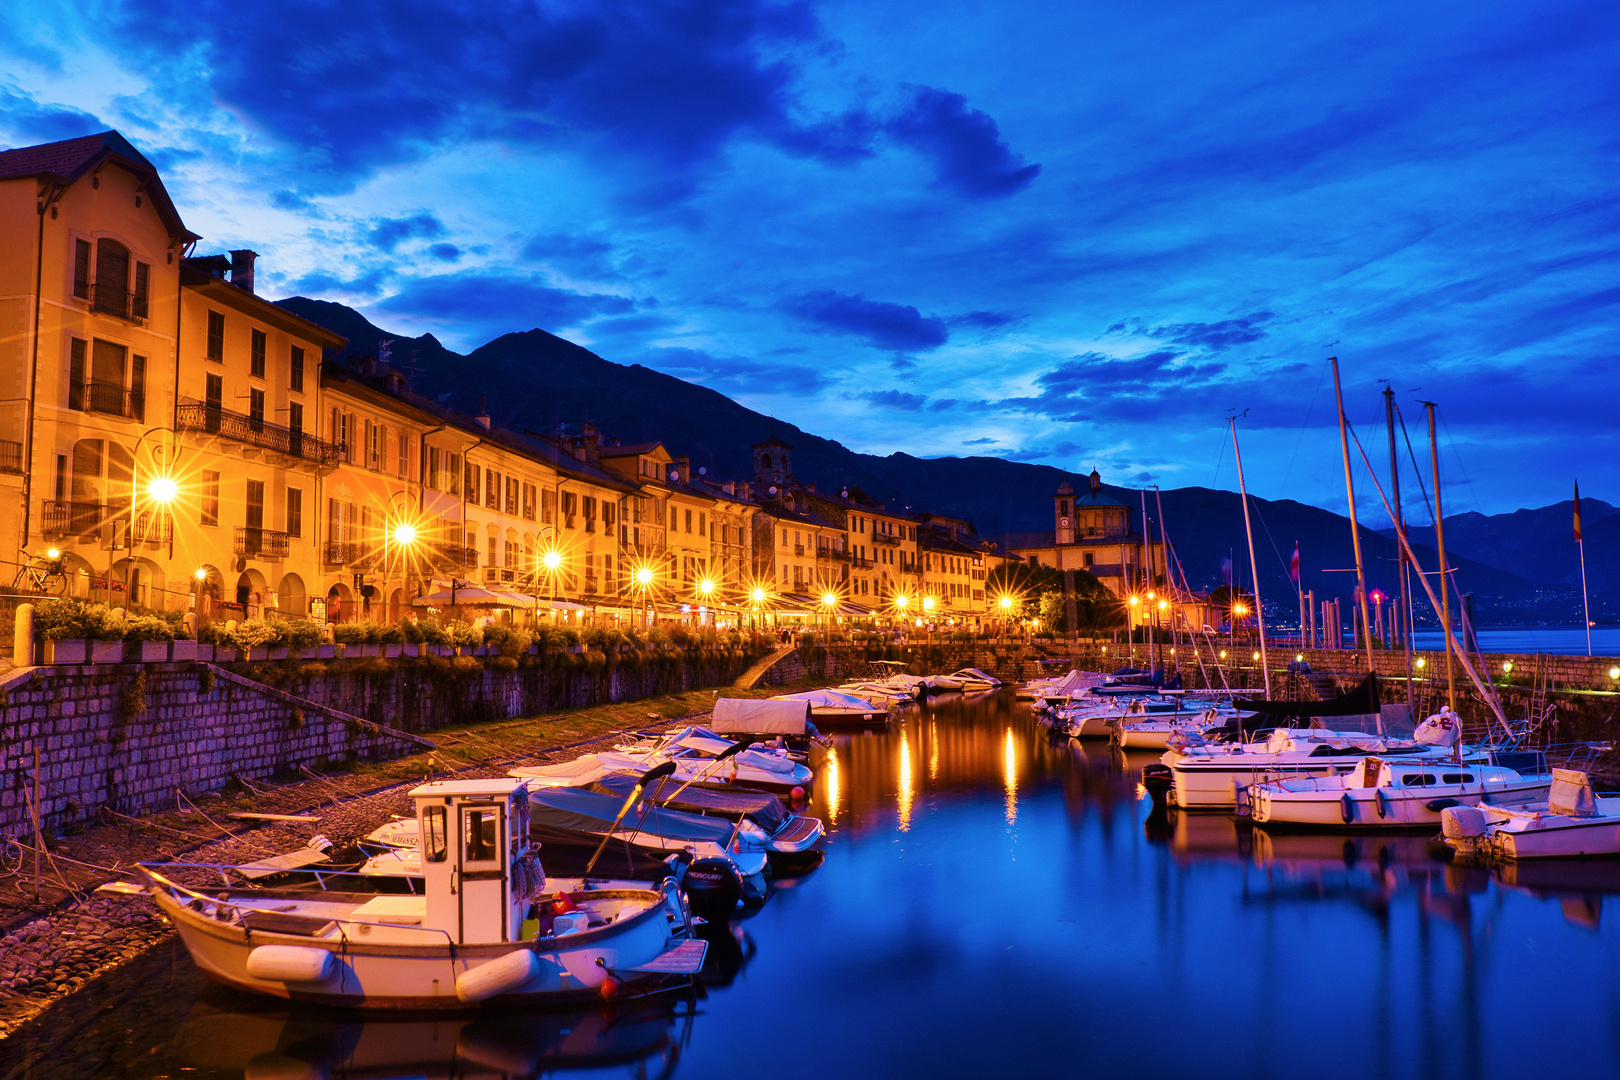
831	699
1360	701
1571	793
753	716
566	852
760	807
593	812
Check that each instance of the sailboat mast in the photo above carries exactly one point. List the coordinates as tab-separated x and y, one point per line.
1400	529
1147	550
1254	568
1355	529
1445	576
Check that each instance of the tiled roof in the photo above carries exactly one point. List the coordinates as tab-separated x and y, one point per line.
72	158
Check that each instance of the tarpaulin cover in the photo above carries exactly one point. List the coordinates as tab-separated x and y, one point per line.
1362	700
830	699
760	807
590	811
566	852
752	716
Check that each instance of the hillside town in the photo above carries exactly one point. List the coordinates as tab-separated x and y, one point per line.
173	440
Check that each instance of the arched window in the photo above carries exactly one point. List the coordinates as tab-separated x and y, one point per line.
764	461
1063	508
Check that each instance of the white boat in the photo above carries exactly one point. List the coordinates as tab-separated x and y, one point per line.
698	753
1398	794
974	679
1208	776
1154	731
879	692
1090	717
483	929
831	707
1572	823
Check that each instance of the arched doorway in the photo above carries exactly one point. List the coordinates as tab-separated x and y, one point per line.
250	593
396	600
339	604
291	597
209	586
143	581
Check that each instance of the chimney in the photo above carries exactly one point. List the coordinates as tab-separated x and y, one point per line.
811	488
683	468
483	412
729	487
242	268
590	441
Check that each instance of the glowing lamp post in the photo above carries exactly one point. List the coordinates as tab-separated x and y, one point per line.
644	579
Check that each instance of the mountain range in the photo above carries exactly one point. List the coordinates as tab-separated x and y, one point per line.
1520	567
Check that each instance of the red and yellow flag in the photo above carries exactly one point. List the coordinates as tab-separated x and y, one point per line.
1577	511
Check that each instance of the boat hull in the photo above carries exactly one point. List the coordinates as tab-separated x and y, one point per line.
1403	808
419	974
1564	839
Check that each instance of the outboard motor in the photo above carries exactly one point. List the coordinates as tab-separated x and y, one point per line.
713	887
1157	779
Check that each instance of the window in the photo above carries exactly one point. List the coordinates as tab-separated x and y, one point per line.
404	455
295	418
209	502
81	269
112	276
491	552
76	380
216	336
608	510
434	464
701	524
570	507
143	282
435	842
674	519
215	396
689	521
256	354
482	845
255	504
452	468
548	507
296	366
295	512
376	443
256	409
472	483
529	492
137	387
492	489
512	495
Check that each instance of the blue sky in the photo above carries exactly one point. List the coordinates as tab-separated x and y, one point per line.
1074	234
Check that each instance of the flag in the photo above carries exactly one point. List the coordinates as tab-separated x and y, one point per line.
1577	511
1293	567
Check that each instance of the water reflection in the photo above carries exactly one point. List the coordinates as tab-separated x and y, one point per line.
1016	907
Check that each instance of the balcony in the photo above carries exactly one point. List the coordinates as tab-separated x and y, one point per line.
886	538
861	564
260	543
446	557
832	553
497	574
113	300
109	398
798	549
197	415
78	518
337	552
10	457
147	530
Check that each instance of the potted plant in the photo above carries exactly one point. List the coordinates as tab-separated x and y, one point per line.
60	622
464	638
105	628
391	639
301	638
146	639
254	637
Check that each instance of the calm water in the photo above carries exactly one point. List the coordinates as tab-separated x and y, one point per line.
996	905
1562	640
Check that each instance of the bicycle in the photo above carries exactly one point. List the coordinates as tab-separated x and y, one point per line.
43	574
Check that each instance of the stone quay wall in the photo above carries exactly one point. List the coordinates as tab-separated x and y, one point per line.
126	738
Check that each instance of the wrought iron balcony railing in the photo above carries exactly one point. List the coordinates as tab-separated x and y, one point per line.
832	553
197	415
499	573
262	543
337	552
886	538
80	518
115	300
110	398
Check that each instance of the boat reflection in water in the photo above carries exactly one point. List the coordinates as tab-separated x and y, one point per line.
641	1040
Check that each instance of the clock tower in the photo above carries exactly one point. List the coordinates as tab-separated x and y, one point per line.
1063	513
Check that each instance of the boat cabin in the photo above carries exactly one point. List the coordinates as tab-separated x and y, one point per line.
477	872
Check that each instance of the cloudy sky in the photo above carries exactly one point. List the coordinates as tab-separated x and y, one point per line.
1078	234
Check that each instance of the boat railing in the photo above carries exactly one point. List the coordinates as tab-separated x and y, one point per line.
342	921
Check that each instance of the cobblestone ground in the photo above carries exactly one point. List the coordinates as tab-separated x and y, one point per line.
50	951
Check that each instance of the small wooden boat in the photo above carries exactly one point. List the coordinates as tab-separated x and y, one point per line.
484	928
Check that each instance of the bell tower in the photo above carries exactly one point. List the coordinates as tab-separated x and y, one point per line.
1063	513
773	464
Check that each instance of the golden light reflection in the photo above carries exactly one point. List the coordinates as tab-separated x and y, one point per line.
933	750
905	783
1009	765
832	786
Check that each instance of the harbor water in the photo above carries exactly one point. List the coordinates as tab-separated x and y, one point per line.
1556	640
993	903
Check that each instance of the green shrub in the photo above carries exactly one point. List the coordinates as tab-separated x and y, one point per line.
301	634
464	635
510	640
103	624
256	634
147	628
60	619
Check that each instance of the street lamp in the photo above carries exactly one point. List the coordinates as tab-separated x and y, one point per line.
643	578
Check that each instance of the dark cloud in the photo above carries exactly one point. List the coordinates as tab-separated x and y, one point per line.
1215	336
36	122
984	320
896	327
445	252
498	301
891	399
319	283
965	145
666	81
1090	385
389	233
578	255
986	441
943	404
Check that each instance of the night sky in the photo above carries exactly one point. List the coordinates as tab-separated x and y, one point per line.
1075	234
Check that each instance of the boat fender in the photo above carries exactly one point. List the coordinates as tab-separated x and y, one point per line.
1347	809
1382	802
1461	823
1437	805
289	963
1243	806
498	976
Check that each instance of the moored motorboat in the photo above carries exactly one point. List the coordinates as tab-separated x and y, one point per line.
974	679
831	708
483	928
1573	822
786	834
698	753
